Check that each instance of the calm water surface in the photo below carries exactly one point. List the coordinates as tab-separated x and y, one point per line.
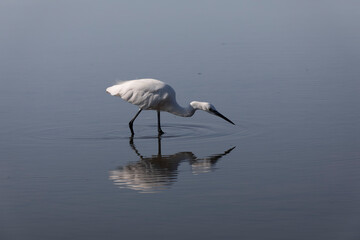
286	72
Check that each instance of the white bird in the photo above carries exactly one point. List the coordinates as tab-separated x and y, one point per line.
152	94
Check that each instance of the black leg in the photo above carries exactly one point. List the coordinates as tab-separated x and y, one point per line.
159	127
132	122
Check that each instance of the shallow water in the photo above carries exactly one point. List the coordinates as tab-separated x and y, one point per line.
286	73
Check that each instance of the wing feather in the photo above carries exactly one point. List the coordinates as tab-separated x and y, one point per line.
145	93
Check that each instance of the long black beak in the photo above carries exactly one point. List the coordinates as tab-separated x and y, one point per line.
220	115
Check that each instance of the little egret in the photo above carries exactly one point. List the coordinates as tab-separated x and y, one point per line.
152	94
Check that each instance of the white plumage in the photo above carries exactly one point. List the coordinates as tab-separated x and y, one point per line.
152	94
148	94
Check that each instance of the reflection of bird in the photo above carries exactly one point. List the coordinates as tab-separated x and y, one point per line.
152	94
158	172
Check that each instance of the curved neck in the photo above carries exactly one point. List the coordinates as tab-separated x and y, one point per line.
187	111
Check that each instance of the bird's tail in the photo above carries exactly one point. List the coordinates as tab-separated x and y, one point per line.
113	90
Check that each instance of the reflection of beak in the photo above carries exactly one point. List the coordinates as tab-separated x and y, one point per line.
222	116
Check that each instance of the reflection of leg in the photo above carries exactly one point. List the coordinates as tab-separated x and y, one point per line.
132	145
159	145
159	127
132	122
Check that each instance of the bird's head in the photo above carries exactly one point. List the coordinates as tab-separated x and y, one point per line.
208	107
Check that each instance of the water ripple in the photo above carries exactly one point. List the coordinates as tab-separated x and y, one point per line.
176	131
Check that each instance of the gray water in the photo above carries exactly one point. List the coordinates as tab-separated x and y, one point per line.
286	72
